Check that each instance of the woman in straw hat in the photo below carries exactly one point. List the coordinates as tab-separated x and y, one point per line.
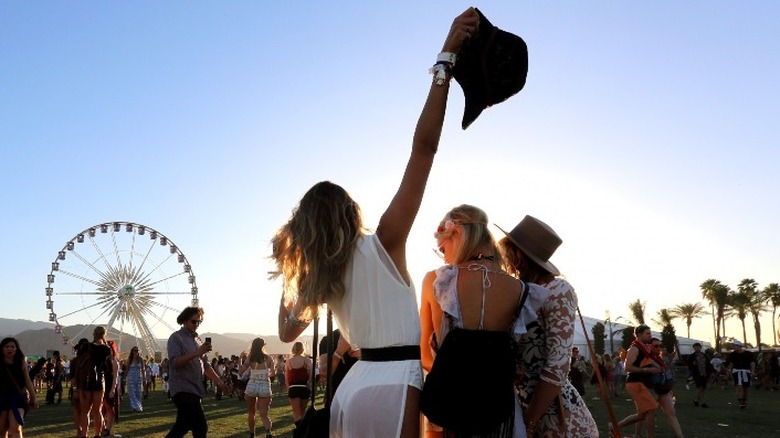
324	255
552	407
472	291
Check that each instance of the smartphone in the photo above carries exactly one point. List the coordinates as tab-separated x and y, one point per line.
208	340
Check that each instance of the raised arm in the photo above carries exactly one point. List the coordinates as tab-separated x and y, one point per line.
397	220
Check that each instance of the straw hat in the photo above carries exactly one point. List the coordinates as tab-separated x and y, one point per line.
537	241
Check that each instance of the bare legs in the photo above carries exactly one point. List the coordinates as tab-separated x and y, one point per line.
411	425
263	404
298	407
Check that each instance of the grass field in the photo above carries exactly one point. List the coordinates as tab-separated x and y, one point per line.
227	417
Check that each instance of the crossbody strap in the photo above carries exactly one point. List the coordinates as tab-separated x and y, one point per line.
315	356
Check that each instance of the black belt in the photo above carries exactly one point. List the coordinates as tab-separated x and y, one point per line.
390	354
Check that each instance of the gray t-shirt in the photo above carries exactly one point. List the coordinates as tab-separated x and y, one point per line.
189	377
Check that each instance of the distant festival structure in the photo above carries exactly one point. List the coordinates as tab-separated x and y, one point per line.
128	277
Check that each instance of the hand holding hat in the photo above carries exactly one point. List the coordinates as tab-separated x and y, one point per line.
492	65
463	27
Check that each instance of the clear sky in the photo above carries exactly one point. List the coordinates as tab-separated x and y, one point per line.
646	136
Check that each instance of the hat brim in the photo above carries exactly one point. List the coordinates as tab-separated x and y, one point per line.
546	265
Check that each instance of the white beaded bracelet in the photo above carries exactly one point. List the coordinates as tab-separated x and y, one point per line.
442	73
447	57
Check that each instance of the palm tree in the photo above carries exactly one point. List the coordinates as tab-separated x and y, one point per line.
772	295
756	304
717	294
668	337
665	317
740	302
637	310
688	312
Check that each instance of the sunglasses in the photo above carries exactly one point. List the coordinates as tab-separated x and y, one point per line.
196	321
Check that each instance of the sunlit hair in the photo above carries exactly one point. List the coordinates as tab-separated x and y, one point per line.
99	333
297	348
188	313
19	358
313	248
257	351
518	264
476	237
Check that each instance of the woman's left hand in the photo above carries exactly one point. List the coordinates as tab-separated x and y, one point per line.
464	25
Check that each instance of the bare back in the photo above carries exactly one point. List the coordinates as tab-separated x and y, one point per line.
502	296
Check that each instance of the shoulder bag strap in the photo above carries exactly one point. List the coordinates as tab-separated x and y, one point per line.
314	343
523	298
329	366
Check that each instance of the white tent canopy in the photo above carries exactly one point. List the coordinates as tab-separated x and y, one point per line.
686	344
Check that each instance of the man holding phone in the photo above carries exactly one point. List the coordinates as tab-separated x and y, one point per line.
188	359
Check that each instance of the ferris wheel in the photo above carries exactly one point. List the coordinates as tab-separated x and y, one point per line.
125	276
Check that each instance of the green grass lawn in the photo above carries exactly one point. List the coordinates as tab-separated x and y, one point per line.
227	417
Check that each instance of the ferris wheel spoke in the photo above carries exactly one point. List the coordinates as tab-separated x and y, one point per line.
164	279
162	293
146	257
80	277
165	306
89	264
132	249
162	321
98	292
146	333
80	310
116	249
100	253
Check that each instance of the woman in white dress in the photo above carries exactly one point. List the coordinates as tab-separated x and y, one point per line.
260	367
324	256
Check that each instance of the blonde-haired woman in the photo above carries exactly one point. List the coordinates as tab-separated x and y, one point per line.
260	367
551	405
325	256
298	377
473	292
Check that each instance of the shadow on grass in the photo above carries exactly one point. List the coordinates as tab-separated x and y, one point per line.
227	418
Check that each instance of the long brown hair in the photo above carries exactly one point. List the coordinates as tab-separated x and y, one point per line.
313	248
521	266
257	351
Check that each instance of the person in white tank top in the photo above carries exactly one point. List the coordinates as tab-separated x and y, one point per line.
260	368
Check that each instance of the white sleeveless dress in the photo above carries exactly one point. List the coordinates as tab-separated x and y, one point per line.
377	310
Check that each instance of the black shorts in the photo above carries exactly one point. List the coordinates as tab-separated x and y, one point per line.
299	392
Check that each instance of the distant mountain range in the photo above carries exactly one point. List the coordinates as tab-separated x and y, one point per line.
36	338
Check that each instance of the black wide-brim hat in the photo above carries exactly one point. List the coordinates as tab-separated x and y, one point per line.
491	68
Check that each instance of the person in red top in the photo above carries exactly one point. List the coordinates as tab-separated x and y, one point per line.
298	376
639	379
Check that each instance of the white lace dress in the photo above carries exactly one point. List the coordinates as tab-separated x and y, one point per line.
378	310
547	348
445	290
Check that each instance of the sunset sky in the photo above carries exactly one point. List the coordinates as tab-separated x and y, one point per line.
646	136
